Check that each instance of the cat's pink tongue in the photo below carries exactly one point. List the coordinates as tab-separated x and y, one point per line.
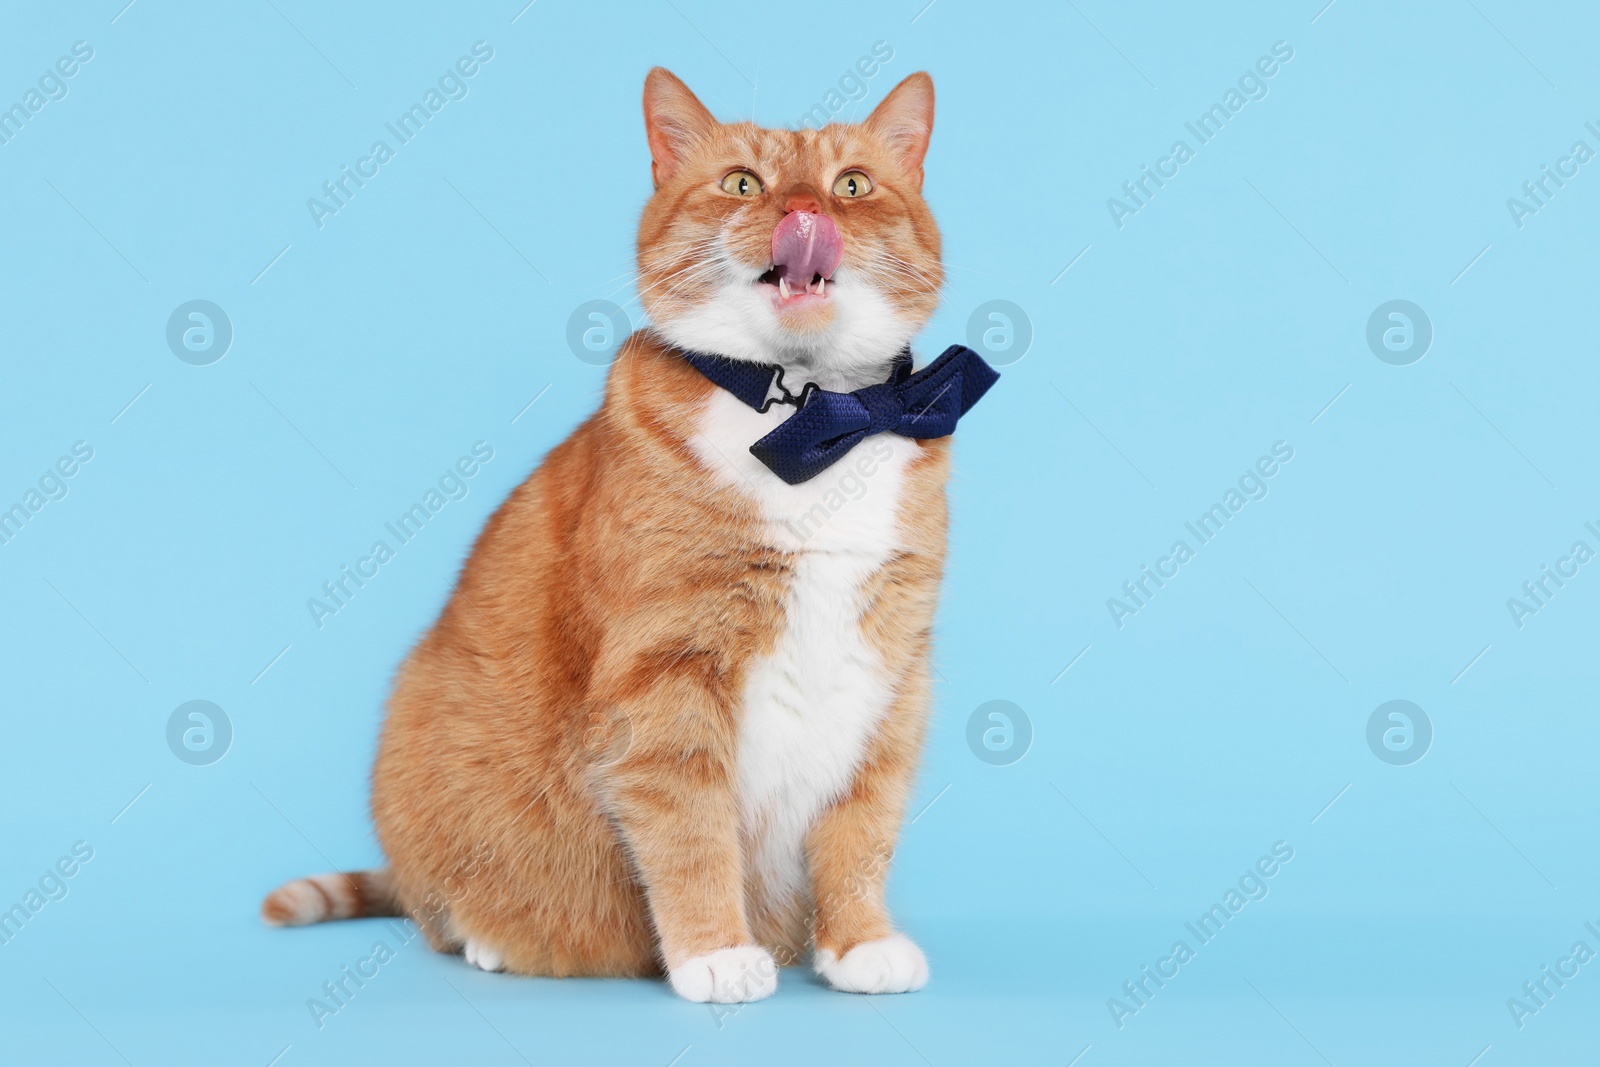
805	244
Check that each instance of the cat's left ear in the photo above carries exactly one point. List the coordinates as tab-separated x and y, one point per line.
904	122
674	119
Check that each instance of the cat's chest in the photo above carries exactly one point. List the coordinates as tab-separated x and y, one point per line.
849	512
812	702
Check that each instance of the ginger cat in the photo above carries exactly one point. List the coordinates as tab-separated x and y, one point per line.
670	717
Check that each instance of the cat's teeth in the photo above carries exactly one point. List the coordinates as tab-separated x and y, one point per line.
821	281
783	288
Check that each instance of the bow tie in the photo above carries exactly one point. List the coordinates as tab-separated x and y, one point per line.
827	425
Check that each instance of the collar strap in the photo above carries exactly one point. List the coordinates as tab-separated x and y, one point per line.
761	385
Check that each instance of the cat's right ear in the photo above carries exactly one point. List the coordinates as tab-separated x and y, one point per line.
674	120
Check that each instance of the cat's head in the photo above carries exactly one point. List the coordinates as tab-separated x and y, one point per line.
808	248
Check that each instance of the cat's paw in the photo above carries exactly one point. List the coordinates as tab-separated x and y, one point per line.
892	964
482	956
726	976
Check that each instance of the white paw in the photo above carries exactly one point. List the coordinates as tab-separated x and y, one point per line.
726	976
892	964
482	956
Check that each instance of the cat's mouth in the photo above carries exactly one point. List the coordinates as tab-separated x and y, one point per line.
806	249
787	291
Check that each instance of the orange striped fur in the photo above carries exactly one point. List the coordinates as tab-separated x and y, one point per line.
564	780
355	895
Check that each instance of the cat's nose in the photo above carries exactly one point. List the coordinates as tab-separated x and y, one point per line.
806	243
802	202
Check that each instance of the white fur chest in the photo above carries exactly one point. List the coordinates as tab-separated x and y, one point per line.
813	702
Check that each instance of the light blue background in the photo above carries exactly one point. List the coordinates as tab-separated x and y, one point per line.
1223	317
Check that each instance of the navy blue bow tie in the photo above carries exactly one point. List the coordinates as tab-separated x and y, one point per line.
827	425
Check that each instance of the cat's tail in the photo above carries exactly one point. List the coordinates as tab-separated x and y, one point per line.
353	895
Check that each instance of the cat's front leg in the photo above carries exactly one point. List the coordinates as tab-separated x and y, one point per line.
855	948
673	796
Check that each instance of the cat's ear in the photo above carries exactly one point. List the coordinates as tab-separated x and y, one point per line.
674	119
904	121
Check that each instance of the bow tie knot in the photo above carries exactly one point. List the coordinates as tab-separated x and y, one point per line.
827	425
884	410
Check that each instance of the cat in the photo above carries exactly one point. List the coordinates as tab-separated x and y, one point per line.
669	720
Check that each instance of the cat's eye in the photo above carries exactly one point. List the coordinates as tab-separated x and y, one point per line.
852	183
742	183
